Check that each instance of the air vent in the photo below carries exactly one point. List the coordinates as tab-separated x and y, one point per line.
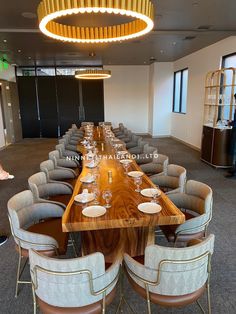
204	27
189	37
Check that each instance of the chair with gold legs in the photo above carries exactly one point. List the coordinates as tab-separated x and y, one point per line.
37	226
80	285
172	277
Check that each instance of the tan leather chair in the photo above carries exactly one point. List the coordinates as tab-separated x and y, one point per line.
172	277
73	286
35	225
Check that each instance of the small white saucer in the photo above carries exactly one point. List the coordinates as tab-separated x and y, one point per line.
149	192
149	208
126	161
92	164
135	174
87	179
94	211
84	198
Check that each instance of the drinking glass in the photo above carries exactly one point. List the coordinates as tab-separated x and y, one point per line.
107	196
126	167
138	181
96	193
155	194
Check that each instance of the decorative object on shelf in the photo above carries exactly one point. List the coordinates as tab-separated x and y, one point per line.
140	13
219	108
92	74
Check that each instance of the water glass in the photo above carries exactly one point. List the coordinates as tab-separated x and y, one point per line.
138	181
107	196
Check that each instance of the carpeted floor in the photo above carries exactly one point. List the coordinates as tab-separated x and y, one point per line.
23	159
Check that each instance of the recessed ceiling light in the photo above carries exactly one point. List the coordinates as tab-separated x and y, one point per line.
92	54
161	51
4	40
29	58
29	15
19	50
174	43
144	62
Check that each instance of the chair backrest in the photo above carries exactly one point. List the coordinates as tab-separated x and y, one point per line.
73	288
179	271
54	155
177	176
163	161
47	165
61	149
38	185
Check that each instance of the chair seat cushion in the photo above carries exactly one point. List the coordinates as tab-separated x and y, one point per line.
166	300
169	232
95	308
53	228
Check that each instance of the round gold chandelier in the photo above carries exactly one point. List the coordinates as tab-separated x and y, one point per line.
141	13
92	74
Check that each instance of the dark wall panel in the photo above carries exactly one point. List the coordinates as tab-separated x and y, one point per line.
48	106
68	102
28	107
93	100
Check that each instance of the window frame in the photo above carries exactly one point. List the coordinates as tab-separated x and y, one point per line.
225	57
181	91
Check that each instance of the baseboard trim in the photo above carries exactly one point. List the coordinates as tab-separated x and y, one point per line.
161	136
185	143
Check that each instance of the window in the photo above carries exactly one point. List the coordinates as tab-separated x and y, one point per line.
229	61
180	91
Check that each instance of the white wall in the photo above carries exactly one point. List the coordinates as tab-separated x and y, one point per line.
189	127
162	89
126	97
8	75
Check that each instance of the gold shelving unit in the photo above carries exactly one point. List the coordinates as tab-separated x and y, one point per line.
219	105
219	108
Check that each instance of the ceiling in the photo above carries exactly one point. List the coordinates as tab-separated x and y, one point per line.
176	34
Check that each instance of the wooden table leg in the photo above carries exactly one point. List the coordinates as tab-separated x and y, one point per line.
114	243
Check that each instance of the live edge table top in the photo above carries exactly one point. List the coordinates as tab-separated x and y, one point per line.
124	212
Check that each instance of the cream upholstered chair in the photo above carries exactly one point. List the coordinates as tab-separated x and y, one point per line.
68	149
133	142
58	173
68	154
71	141
139	148
31	228
196	203
80	285
119	130
158	165
60	161
44	190
172	277
147	155
173	181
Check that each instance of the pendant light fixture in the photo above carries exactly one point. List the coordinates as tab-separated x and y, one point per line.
93	74
140	13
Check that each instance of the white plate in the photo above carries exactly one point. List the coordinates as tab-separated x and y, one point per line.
135	174
92	164
122	152
126	161
149	208
94	211
149	192
87	179
84	199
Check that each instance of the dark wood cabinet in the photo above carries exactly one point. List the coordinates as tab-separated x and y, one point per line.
216	146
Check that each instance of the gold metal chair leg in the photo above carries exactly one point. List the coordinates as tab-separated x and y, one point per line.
200	306
208	298
20	272
148	300
34	300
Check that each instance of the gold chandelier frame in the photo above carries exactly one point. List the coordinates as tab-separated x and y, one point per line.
93	74
140	11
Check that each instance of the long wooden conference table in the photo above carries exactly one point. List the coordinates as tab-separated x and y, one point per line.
123	228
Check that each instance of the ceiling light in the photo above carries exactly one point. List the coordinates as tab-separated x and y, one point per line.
174	43
140	12
92	54
19	50
92	74
161	51
29	58
4	40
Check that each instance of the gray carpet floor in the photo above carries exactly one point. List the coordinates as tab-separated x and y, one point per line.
23	160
